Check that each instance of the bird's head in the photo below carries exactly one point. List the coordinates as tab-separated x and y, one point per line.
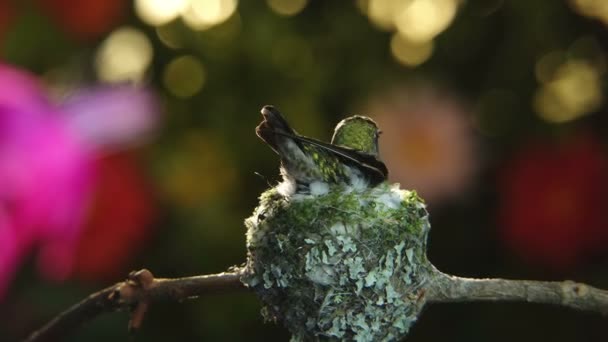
357	132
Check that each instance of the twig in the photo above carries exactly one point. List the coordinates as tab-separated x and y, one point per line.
135	293
447	288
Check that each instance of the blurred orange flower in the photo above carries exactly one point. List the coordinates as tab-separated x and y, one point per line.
427	142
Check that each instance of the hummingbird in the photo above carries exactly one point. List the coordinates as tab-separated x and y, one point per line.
351	159
336	252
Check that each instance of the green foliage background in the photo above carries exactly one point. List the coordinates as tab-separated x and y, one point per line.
317	67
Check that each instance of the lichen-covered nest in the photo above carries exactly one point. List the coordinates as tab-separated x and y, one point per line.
340	264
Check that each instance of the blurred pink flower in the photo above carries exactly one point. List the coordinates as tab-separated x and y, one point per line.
427	142
47	167
111	117
44	178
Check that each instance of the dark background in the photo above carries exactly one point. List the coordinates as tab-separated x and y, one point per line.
502	128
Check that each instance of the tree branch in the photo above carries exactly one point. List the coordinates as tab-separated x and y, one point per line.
141	288
135	293
447	288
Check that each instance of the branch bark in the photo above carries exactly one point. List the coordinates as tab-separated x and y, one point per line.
135	293
141	288
447	288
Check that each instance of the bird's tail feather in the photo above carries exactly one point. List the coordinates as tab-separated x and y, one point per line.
273	128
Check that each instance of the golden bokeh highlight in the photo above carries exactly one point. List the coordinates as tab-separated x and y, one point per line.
547	65
196	14
204	14
416	20
287	7
415	23
574	90
169	36
597	9
382	12
125	55
184	76
159	12
410	53
423	20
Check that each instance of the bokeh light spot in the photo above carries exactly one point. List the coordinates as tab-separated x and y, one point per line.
184	76
382	12
588	48
422	20
592	8
574	91
204	14
159	12
410	53
124	56
548	64
287	7
169	36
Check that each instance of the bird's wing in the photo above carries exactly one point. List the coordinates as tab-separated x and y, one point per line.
275	127
367	162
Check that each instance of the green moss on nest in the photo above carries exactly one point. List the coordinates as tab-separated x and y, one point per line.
346	265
